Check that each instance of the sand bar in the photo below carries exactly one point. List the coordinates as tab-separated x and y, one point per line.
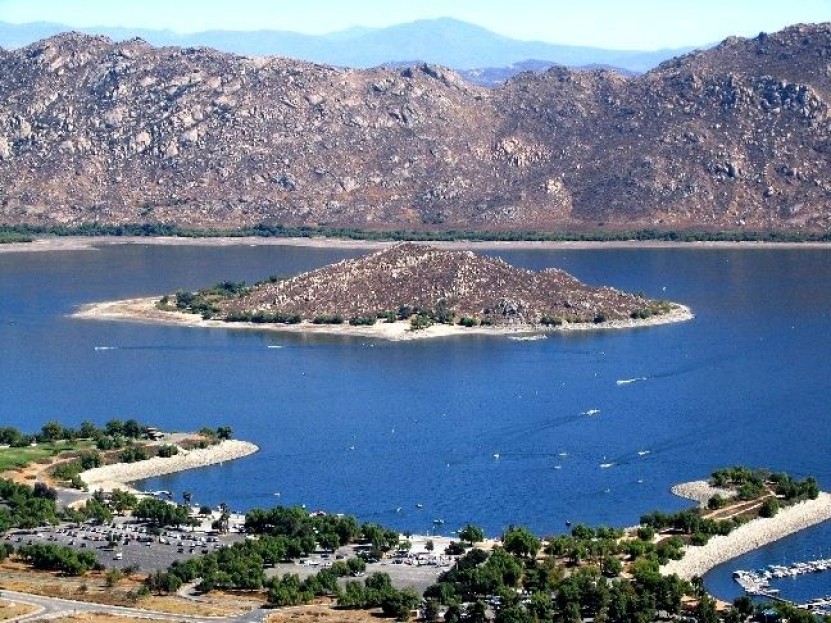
118	475
750	536
144	310
79	243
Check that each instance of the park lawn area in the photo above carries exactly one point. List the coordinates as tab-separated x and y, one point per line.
15	458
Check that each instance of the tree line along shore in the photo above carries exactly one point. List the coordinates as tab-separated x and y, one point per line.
606	573
28	233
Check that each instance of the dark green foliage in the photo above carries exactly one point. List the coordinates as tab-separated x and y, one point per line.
521	542
160	513
356	321
167	450
387	316
263	317
161	582
715	502
328	319
54	557
420	321
10	436
769	508
283	231
468	321
131	454
443	314
549	320
472	534
26	506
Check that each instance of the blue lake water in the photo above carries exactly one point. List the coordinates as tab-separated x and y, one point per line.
376	429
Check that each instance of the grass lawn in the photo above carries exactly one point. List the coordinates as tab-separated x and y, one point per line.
14	458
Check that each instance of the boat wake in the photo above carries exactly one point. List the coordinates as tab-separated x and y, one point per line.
528	338
630	381
106	347
591	412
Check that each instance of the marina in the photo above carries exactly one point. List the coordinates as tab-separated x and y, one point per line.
757	583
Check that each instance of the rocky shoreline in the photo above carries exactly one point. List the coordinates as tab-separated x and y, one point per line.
700	491
119	475
144	310
755	534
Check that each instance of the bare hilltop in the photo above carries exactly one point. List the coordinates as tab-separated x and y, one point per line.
425	286
96	131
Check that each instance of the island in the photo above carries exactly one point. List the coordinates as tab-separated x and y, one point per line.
405	291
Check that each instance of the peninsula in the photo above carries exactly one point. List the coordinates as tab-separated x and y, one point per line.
402	292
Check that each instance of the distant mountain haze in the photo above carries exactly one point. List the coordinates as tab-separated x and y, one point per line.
734	137
445	41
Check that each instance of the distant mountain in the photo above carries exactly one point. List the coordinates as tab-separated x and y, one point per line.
494	76
445	41
736	137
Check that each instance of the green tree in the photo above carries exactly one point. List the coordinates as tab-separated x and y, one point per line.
472	534
521	542
87	430
51	431
705	611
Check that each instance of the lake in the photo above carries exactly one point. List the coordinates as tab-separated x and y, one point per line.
430	435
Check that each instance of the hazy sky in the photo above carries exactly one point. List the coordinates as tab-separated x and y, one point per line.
624	24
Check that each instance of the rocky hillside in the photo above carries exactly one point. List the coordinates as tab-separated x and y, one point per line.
420	277
738	137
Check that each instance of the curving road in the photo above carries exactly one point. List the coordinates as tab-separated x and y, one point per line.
53	607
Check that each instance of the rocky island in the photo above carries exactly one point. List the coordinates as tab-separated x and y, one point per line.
405	291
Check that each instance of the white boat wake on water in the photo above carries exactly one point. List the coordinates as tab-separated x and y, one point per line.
630	381
105	347
591	412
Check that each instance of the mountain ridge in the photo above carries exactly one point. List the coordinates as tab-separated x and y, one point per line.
736	137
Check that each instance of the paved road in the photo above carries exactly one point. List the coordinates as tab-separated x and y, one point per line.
52	607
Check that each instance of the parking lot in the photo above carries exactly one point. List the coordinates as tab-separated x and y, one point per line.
124	544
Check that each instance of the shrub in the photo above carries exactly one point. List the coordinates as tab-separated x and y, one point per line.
362	321
716	502
167	450
328	319
769	508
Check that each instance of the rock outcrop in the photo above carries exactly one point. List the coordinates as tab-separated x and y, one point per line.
737	137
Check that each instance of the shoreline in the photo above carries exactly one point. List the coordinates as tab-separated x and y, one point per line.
91	243
144	310
120	475
698	560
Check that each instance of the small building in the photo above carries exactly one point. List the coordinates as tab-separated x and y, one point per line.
153	433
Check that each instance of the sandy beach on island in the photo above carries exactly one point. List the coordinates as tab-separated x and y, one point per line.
119	475
755	534
144	310
81	243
